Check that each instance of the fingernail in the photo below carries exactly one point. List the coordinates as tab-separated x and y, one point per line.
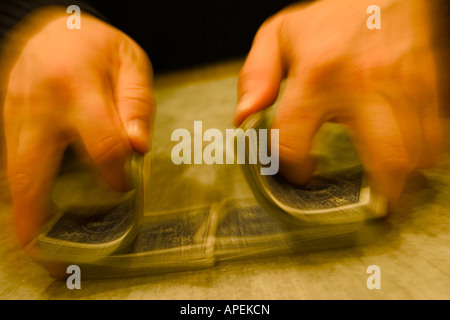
244	104
389	185
139	135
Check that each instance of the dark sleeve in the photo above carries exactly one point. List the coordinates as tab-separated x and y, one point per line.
13	11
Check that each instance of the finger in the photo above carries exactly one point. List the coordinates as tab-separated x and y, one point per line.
135	101
430	123
104	137
431	133
380	144
297	121
32	170
406	114
418	83
260	78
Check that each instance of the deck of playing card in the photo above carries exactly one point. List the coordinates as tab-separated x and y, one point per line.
329	198
87	232
112	237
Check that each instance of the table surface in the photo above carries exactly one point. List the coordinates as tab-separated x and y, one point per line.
411	246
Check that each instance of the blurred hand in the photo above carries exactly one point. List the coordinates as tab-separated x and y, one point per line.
380	84
89	87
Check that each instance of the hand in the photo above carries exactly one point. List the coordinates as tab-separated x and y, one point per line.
380	84
89	87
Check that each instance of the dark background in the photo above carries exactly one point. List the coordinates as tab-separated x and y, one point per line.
179	34
185	33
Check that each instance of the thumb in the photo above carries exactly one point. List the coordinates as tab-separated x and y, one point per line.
260	78
135	100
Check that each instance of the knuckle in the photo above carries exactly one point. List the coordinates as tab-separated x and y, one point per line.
397	160
140	97
59	71
269	25
249	75
109	147
20	183
13	100
290	153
